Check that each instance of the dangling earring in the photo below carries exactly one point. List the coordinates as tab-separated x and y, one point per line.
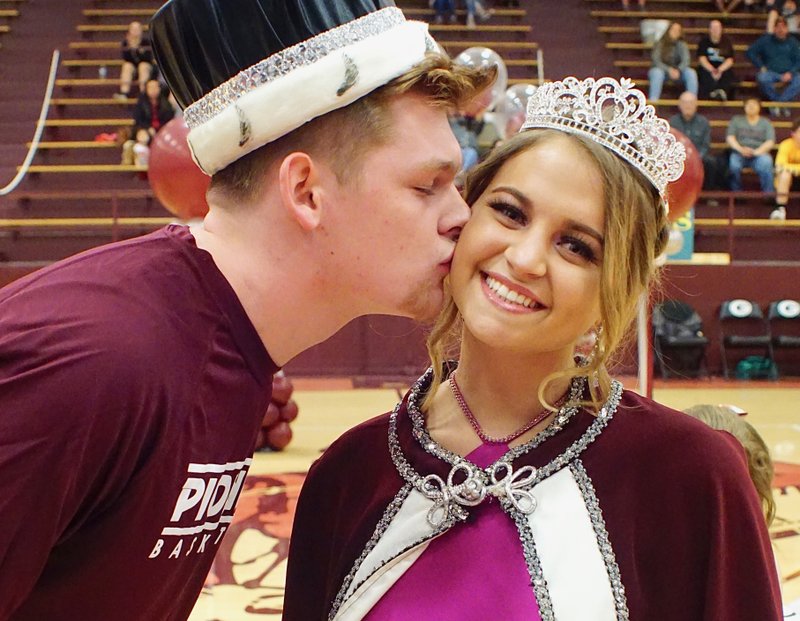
589	347
596	354
586	349
599	348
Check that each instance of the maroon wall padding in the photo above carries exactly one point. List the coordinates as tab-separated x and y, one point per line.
705	286
567	35
393	348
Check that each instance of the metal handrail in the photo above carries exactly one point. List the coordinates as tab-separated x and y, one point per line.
23	170
540	65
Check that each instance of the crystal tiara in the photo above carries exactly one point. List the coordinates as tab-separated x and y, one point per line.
615	115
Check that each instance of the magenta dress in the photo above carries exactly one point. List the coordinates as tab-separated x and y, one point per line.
474	571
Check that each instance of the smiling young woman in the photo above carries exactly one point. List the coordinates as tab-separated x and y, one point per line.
520	480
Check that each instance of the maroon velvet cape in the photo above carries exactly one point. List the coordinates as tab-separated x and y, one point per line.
680	511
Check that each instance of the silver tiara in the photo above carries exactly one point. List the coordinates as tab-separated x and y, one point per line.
615	115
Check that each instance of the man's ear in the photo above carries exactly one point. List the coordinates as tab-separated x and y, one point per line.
298	179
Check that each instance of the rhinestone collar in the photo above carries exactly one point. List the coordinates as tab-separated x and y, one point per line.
452	498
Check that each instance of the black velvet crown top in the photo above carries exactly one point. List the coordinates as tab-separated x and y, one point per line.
199	44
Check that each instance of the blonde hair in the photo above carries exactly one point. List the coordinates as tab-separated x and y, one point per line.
366	123
759	462
636	231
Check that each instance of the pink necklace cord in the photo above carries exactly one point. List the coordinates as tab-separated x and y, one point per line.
477	427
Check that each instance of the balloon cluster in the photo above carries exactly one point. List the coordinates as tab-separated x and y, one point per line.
275	433
483	58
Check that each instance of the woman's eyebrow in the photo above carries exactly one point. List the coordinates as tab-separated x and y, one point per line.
522	198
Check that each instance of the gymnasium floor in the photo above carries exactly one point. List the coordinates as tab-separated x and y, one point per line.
246	583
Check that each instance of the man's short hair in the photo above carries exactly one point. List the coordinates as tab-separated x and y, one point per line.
343	136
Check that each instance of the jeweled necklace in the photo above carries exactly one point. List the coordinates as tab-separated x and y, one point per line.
477	427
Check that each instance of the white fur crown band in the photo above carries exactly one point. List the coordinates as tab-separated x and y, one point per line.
289	88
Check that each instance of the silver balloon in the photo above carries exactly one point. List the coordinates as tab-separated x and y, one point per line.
513	106
522	92
483	57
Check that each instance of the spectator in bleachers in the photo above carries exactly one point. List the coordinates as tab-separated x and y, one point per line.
153	109
715	64
697	129
776	56
137	59
788	10
445	11
751	138
671	62
787	167
467	124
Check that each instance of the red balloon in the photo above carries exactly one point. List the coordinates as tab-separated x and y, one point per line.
682	194
289	411
282	389
176	180
279	436
271	416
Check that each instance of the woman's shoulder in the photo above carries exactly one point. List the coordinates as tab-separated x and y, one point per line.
366	443
372	430
662	436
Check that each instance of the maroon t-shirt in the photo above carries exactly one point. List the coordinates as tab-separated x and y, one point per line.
132	385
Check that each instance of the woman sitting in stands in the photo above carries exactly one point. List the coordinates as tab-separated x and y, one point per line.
522	482
671	63
137	59
153	110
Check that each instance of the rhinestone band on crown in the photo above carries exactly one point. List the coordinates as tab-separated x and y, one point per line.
615	115
284	62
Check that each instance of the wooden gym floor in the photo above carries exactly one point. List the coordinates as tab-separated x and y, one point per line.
246	583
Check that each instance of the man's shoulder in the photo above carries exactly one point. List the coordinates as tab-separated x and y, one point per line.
765	122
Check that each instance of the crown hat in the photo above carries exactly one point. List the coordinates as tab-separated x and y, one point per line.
247	72
615	115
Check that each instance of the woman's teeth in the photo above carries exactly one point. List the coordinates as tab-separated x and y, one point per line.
508	295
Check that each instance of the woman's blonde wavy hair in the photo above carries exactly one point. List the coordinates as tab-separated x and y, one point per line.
636	232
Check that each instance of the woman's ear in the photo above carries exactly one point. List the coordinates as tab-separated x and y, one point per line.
298	179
